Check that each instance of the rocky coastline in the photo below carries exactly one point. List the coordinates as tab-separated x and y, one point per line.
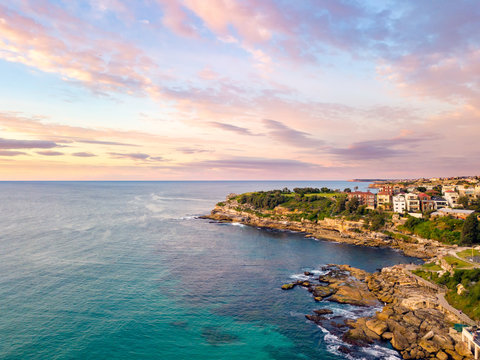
412	317
334	229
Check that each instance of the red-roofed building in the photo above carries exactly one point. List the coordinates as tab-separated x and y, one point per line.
426	202
364	198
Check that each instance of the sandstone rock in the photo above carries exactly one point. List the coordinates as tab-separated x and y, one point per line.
387	335
454	355
411	319
322	291
429	346
462	349
377	326
444	342
428	335
356	337
442	356
354	295
387	311
399	341
287	286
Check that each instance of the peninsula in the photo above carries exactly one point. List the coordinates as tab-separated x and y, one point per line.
422	303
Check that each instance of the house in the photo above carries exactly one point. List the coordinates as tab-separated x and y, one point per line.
477	191
384	200
440	202
412	202
446	188
466	191
386	189
364	198
456	213
426	202
452	198
399	203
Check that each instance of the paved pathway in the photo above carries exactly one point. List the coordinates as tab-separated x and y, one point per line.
440	295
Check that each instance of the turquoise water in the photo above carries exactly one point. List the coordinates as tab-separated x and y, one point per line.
124	270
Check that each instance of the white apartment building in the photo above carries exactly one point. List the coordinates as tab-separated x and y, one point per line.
412	202
452	198
399	203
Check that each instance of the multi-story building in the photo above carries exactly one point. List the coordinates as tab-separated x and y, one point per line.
364	198
399	203
440	202
466	191
446	188
426	203
384	200
413	203
452	198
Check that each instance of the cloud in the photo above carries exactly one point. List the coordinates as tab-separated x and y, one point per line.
383	148
99	142
136	156
26	144
254	163
287	135
191	150
232	128
50	153
83	154
11	153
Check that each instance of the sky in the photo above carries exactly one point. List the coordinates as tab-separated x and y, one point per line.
238	89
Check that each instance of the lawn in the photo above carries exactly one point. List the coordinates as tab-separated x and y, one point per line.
431	267
457	263
467	254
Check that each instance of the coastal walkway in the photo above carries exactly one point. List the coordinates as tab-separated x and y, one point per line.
440	295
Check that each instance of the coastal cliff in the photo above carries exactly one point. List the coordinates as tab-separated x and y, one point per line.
335	229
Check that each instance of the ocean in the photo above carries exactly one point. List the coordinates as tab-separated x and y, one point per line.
126	270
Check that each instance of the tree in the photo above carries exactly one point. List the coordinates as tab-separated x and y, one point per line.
347	190
422	189
470	231
352	205
463	200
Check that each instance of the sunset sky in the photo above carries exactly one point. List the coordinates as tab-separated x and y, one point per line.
238	89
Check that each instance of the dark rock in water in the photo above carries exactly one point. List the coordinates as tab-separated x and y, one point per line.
323	311
344	349
307	273
288	286
306	283
317	319
217	336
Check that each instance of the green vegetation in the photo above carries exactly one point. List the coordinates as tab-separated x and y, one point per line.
457	263
315	204
471	230
401	237
467	254
445	229
431	267
470	279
